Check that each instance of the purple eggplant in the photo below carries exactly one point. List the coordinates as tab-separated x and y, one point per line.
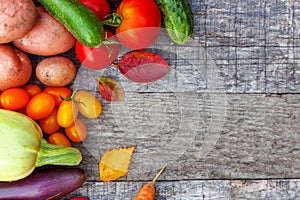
44	184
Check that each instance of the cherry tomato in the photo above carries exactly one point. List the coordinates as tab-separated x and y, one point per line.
59	139
32	89
100	57
77	132
67	113
49	124
40	106
59	92
89	106
100	7
140	25
14	98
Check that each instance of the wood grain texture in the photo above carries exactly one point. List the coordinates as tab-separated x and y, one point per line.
195	190
199	136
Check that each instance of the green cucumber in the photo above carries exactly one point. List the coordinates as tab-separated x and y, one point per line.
177	18
78	19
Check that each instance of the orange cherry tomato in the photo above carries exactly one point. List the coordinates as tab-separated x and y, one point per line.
49	124
32	89
77	132
59	139
14	98
40	106
89	106
59	92
67	113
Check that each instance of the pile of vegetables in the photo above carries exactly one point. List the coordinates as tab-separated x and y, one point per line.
39	122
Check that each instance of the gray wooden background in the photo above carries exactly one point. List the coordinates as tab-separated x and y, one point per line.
225	119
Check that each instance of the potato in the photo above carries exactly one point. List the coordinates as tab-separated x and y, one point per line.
15	67
16	19
56	71
47	38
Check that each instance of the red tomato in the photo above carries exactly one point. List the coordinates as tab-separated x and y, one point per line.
59	93
67	113
49	124
40	106
141	21
77	132
14	98
59	139
32	89
100	57
100	7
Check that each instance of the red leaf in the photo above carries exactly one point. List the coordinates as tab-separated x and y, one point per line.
110	89
143	67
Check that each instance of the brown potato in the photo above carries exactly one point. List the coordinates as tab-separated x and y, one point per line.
15	67
56	71
16	19
47	38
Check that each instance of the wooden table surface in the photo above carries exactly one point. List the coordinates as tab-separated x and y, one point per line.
225	119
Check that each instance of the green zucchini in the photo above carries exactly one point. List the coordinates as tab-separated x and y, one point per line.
177	18
78	19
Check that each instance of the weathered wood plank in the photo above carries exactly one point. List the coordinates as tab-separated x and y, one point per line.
254	43
200	136
195	190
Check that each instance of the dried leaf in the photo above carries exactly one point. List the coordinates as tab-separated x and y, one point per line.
110	89
115	163
143	67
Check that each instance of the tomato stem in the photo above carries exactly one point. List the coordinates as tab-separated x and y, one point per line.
113	20
71	97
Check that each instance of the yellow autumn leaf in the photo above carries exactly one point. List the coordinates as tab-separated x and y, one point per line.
115	163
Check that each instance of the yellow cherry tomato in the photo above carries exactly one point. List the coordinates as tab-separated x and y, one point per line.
89	106
67	113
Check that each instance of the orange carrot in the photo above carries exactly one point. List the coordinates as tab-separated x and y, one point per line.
147	191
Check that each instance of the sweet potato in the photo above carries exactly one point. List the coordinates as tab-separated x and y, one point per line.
16	19
15	67
56	71
48	37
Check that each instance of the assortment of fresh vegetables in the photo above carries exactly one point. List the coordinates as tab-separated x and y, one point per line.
39	122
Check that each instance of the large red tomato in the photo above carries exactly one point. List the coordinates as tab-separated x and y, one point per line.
100	57
140	25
